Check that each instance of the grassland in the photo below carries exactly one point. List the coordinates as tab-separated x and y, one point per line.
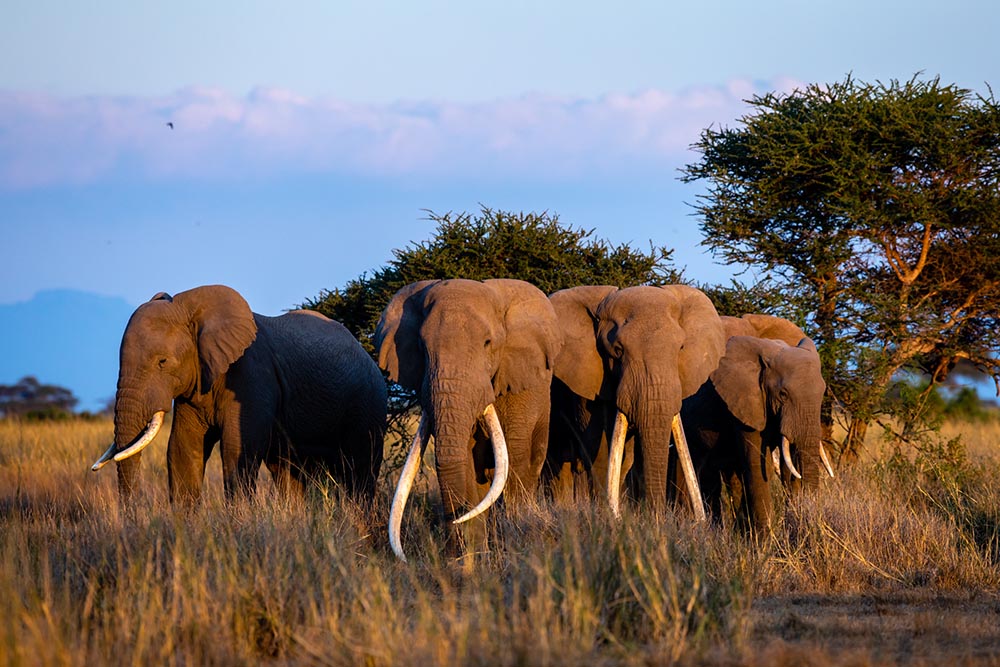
897	561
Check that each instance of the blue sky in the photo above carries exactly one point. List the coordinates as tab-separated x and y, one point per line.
309	136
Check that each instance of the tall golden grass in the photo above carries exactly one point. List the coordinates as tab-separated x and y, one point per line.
83	582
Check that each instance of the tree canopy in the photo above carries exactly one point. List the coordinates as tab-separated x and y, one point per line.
535	247
875	209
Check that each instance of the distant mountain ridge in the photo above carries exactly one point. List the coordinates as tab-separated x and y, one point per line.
65	337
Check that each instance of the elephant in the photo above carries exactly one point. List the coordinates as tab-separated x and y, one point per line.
630	356
296	392
758	410
479	355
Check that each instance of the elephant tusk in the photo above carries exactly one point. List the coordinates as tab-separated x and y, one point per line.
776	460
687	465
826	461
147	437
406	478
105	459
786	454
501	462
616	453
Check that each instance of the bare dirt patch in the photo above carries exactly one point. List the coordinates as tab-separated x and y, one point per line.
910	628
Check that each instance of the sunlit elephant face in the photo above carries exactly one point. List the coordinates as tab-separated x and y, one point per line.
642	341
794	387
158	353
460	335
175	346
661	342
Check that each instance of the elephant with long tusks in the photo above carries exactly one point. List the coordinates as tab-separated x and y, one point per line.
480	356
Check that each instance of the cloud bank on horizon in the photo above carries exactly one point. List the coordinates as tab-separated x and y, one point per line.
52	141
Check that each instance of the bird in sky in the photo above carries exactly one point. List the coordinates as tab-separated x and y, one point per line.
170	124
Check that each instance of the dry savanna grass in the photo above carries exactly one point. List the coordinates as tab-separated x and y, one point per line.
897	561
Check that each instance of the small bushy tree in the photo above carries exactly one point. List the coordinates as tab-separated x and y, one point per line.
535	247
30	399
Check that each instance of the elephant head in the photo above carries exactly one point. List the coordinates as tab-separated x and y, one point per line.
778	328
644	349
173	347
777	389
461	344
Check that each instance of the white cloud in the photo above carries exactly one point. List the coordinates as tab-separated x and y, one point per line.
47	140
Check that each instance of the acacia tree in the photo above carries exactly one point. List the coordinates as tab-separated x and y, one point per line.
876	209
535	247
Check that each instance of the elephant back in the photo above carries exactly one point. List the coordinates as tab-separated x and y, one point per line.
763	326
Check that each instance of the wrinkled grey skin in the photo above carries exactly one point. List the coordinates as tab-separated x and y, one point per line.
767	385
295	392
640	350
462	345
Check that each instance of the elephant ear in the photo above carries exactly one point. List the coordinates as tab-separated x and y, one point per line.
738	380
397	335
579	364
532	338
704	336
224	327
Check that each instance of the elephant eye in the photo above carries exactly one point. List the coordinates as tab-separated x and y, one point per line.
487	343
162	362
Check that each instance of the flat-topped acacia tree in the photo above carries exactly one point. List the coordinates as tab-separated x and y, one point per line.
876	209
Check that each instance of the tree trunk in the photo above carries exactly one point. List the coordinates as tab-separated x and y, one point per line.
825	323
855	440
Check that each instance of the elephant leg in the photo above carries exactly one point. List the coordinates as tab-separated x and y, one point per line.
246	441
737	497
755	483
471	538
285	472
710	480
525	420
191	442
286	482
560	482
539	445
358	460
563	456
129	472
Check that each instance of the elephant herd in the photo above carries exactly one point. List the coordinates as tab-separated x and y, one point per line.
578	394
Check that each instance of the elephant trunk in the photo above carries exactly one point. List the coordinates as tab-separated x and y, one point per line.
455	418
412	466
800	428
136	425
654	423
650	398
